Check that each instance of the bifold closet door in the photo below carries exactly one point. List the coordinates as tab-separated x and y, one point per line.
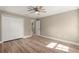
12	27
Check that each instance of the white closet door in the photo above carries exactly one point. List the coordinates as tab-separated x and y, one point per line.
12	27
38	27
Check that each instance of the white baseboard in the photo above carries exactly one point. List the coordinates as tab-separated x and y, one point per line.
16	38
1	41
27	36
60	40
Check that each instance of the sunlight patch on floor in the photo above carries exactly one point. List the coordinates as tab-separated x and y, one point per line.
62	47
51	45
58	46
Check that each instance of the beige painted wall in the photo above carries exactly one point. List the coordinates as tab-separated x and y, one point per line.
28	26
63	26
0	27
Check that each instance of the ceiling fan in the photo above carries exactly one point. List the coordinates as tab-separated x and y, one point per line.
36	9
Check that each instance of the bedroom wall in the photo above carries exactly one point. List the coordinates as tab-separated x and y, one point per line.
63	26
0	27
27	26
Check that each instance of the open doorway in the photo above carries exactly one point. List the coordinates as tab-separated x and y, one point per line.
36	27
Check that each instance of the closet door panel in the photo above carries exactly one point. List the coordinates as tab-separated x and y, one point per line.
12	27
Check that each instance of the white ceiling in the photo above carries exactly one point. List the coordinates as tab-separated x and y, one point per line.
51	10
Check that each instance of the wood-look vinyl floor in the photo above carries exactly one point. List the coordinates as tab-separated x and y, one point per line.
35	44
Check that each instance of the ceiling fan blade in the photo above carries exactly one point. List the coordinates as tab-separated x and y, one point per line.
40	7
31	12
43	11
30	9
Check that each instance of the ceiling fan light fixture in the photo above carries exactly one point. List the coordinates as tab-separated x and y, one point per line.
36	12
